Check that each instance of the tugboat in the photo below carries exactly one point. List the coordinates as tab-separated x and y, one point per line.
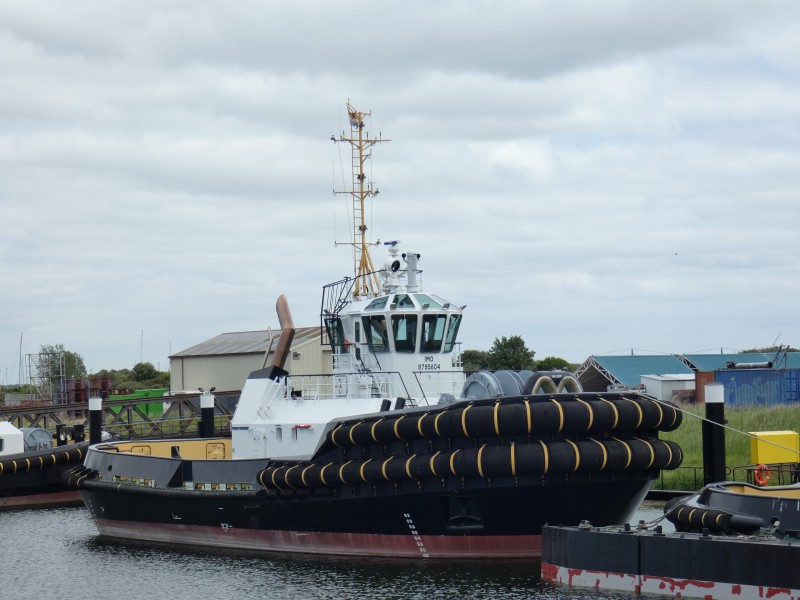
31	466
397	453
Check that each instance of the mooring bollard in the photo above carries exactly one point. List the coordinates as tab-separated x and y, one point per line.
207	414
95	420
714	434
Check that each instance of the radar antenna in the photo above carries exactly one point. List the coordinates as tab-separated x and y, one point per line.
361	143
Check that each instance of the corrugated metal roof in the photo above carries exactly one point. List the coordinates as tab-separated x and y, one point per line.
628	370
246	342
669	377
712	362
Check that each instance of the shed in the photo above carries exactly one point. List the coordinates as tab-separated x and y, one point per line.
670	387
226	360
599	373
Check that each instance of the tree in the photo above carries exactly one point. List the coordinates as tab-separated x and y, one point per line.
769	350
144	371
510	353
553	363
73	362
474	360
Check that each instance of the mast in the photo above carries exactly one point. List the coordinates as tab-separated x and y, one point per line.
366	284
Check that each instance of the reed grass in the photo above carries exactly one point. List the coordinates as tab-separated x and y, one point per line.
740	421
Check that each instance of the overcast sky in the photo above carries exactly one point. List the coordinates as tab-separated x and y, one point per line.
597	177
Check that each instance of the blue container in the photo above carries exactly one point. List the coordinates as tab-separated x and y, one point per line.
759	387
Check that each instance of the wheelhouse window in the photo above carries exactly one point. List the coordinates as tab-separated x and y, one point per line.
376	333
377	304
404	331
433	332
452	332
427	301
335	333
403	301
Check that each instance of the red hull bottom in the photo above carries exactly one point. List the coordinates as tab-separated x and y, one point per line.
69	498
340	544
663	586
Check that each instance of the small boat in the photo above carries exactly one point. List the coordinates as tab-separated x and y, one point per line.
397	452
738	508
31	467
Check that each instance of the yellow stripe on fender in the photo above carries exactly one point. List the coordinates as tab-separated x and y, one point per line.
361	470
639	409
546	457
436	424
452	466
322	473
605	453
419	424
591	412
303	474
333	435
341	469
408	466
528	415
616	412
577	454
433	468
669	450
274	472
660	413
383	468
396	423
560	414
372	430
496	420
464	420
286	476
352	429
514	459
628	449
652	452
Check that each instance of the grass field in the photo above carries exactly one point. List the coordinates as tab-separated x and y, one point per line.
737	442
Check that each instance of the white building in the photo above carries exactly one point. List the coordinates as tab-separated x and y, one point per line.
679	386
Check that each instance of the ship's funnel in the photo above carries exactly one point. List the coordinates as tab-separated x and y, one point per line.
287	333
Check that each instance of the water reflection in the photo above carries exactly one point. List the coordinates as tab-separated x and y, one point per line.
66	541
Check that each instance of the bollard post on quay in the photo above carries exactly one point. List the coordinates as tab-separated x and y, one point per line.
207	414
714	434
95	419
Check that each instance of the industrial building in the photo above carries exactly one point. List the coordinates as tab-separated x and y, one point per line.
225	361
750	379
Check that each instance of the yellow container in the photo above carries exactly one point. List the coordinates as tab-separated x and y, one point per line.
774	447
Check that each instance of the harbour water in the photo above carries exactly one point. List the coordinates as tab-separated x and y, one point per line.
57	553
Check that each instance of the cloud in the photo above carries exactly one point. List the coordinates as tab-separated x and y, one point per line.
590	177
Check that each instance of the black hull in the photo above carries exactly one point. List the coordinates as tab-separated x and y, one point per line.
34	479
431	520
469	479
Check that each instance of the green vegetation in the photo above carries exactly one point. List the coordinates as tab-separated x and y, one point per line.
511	353
737	445
73	362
